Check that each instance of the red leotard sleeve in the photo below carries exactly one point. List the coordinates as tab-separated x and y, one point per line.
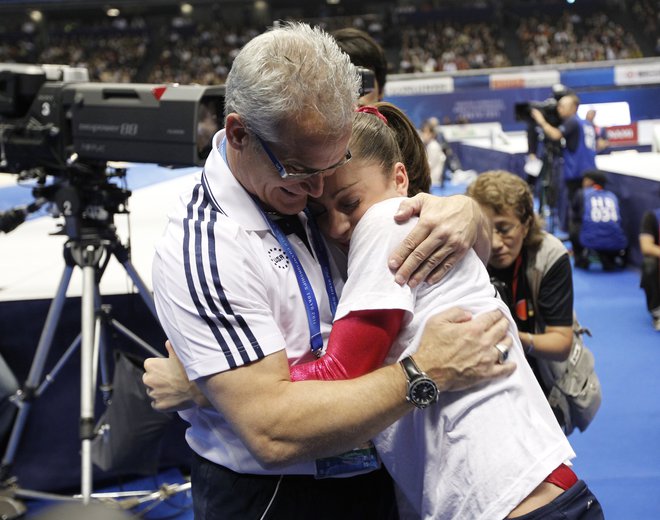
357	345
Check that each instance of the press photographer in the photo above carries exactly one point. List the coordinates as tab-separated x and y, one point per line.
543	154
578	150
523	112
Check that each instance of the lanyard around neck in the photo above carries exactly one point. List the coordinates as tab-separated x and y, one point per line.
306	290
514	281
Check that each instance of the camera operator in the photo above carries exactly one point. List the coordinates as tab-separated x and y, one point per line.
579	144
551	116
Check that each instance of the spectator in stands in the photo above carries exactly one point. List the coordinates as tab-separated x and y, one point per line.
434	153
579	150
111	50
450	46
595	224
572	39
531	269
649	244
365	52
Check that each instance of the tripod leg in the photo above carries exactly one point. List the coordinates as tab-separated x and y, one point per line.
132	336
121	253
28	392
101	352
87	371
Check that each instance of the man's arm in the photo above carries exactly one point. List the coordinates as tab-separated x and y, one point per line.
283	422
648	246
551	132
447	228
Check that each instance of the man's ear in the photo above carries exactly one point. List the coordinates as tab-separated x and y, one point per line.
401	179
236	133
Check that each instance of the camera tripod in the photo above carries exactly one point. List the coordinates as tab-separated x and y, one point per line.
550	176
90	250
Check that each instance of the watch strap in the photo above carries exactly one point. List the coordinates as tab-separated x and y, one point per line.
410	368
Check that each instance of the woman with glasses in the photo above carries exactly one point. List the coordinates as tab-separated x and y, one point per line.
530	267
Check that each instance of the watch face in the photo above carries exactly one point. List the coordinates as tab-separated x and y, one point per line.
423	392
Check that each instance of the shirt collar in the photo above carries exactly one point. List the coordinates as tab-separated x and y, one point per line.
227	194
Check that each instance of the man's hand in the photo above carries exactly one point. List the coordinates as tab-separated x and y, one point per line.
537	116
168	385
458	351
448	227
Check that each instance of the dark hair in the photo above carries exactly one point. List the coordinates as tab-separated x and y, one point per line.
372	140
364	51
598	176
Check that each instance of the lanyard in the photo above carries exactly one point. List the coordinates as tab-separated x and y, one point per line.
514	282
306	290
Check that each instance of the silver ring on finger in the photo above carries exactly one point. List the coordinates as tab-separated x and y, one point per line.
503	352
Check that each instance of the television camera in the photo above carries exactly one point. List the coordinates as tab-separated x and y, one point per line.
550	173
548	107
54	123
523	111
62	133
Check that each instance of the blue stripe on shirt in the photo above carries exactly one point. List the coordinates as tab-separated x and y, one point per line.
189	278
215	276
217	315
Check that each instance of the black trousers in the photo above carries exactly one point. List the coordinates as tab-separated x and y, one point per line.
221	494
650	282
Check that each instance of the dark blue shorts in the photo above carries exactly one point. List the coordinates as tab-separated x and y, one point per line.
576	503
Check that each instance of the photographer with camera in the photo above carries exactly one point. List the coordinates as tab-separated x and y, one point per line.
366	52
578	139
549	108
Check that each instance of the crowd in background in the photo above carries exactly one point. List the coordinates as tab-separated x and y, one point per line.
111	51
572	39
647	13
450	47
199	52
186	50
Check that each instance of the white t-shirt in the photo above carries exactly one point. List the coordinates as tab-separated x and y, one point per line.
475	454
227	295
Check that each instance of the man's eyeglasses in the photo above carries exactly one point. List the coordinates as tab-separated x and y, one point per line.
507	230
298	174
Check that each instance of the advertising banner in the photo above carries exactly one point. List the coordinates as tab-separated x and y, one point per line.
638	74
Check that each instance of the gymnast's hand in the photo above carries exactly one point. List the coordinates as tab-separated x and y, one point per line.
168	385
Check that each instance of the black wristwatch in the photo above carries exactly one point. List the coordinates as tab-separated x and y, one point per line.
422	390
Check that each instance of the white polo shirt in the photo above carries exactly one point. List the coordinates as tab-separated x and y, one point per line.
227	295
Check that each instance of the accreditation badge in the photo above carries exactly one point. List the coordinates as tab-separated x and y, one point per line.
358	460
